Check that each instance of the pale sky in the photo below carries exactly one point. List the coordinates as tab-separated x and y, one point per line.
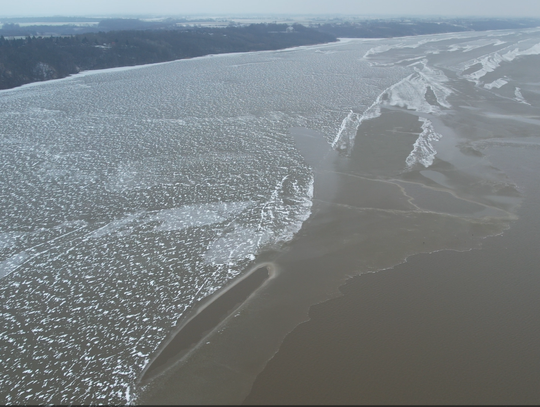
504	8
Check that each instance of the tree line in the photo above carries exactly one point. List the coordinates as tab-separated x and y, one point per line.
36	58
32	59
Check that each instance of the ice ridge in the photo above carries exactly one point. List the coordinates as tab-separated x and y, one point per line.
499	83
519	97
492	61
423	151
409	93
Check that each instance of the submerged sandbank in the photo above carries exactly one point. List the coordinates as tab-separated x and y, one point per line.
204	318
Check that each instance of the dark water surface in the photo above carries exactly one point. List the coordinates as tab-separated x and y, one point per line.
443	328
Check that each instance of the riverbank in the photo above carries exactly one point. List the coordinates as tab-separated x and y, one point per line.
34	59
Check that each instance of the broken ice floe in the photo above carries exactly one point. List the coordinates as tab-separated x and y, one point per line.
423	150
519	97
408	93
498	83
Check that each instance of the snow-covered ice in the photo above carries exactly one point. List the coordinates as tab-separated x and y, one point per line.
128	195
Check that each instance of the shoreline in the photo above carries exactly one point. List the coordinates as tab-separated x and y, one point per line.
90	72
339	40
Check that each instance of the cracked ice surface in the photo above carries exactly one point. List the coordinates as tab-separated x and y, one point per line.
129	195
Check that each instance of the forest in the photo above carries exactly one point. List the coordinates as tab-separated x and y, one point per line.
26	56
32	59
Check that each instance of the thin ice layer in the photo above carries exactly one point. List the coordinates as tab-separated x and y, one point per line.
136	193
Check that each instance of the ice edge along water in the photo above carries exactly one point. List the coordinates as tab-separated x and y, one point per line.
488	63
423	151
408	93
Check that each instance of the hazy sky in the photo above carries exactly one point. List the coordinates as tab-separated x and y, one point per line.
509	8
